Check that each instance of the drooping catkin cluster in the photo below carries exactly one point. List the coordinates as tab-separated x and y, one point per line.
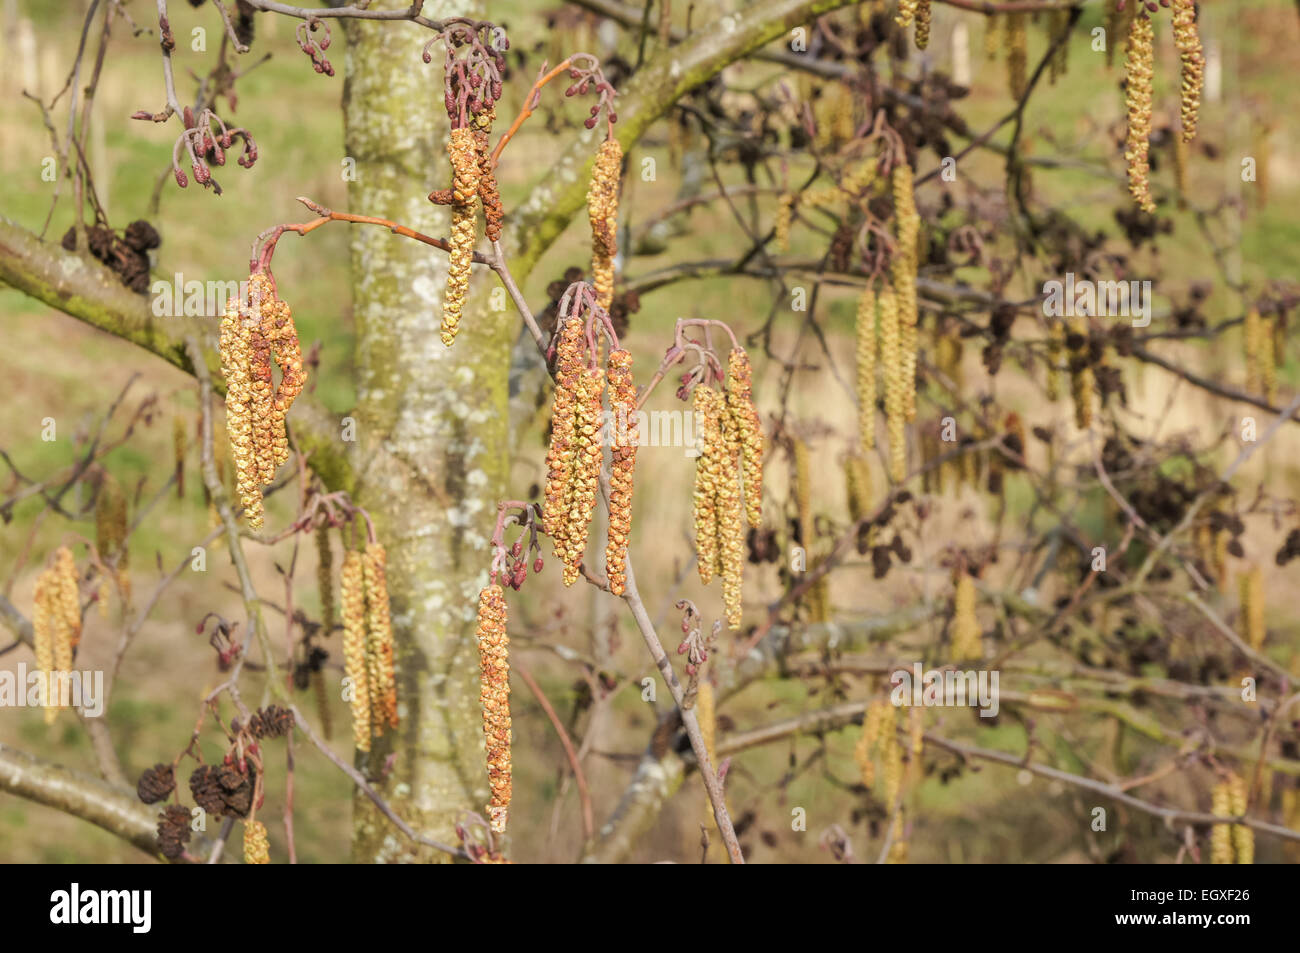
1015	40
903	271
1137	100
379	640
966	631
744	422
866	358
1250	585
254	334
1187	38
352	580
562	450
494	694
257	848
622	405
56	624
466	177
602	211
891	360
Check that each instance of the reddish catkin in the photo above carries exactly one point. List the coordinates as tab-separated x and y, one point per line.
379	625
584	480
711	448
1137	146
743	419
622	405
562	451
463	152
352	579
602	211
488	193
1187	38
494	694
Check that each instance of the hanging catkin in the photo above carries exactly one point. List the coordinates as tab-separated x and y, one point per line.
379	641
352	578
731	532
745	425
325	578
1016	42
1252	336
622	404
710	471
906	12
1137	146
466	174
866	354
602	212
879	717
1221	834
563	449
494	694
1187	38
903	269
1082	383
891	360
966	632
584	479
784	221
922	24
236	355
1243	838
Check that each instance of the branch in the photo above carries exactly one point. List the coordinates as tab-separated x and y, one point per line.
106	806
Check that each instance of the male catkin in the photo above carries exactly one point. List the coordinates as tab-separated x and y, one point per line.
744	424
1187	38
1137	146
352	579
866	359
602	212
379	642
709	474
624	425
494	694
466	175
257	849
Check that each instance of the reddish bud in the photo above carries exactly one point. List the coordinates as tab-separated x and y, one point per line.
537	564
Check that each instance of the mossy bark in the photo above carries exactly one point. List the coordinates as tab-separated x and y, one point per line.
432	439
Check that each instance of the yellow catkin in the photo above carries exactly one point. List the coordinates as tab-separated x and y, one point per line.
891	765
731	531
747	428
257	849
1059	22
706	714
857	484
1243	838
872	725
180	440
379	643
325	578
282	334
43	628
891	361
898	847
966	632
494	694
1137	146
1015	40
903	272
948	352
906	12
991	42
602	212
1187	38
1221	834
922	24
466	173
563	448
622	405
709	473
866	355
1250	586
236	355
584	479
1082	382
352	579
69	608
784	221
110	526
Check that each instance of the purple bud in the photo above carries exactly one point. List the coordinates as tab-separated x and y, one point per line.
182	181
537	564
517	548
590	123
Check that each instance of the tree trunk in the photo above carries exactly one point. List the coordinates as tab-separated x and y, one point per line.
441	416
